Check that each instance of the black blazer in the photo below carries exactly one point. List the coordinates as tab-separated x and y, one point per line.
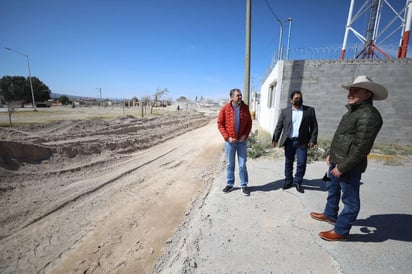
308	131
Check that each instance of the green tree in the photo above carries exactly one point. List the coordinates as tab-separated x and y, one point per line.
17	88
64	100
182	99
41	91
11	90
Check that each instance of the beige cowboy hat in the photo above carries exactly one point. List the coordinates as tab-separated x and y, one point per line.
362	81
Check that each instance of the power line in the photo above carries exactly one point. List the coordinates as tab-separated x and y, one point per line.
280	49
271	10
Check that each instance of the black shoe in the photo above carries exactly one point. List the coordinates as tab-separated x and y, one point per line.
299	188
245	191
287	186
228	189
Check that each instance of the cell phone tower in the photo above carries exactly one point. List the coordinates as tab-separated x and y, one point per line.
379	28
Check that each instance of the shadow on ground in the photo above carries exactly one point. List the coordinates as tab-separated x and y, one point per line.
311	185
271	186
379	228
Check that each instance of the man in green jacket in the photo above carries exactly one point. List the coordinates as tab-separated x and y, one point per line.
347	158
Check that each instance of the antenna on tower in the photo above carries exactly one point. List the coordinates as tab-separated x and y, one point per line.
374	37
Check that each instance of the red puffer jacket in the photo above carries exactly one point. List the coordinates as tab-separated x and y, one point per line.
226	121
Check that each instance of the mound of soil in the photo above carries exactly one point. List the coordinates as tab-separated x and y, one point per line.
61	141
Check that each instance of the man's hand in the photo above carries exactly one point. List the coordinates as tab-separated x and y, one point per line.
311	145
274	144
335	172
231	140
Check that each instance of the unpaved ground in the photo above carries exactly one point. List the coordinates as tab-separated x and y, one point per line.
99	196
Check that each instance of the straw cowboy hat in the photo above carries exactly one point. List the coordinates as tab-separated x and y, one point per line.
362	81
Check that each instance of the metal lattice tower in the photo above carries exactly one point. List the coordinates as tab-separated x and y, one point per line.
379	29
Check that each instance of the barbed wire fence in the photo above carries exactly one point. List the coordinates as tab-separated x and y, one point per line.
330	53
318	53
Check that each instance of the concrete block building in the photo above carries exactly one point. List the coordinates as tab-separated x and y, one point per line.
320	83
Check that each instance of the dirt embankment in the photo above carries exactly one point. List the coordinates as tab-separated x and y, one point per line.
68	139
100	196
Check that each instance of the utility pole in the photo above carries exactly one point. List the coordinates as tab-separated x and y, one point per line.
289	31
246	88
28	65
100	97
280	48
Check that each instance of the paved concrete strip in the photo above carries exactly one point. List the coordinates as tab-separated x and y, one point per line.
271	231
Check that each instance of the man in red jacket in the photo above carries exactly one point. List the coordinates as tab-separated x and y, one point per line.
235	123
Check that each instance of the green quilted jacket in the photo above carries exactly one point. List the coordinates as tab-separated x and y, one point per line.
355	136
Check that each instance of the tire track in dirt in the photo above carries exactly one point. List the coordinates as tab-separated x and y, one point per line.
106	212
72	162
91	191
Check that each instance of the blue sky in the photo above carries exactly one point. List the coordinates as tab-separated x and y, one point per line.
132	48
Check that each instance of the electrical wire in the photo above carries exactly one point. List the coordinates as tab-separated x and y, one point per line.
273	13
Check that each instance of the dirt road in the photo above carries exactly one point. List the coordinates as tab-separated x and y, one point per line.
104	197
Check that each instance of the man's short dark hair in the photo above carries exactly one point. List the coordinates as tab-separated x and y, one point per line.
233	90
295	92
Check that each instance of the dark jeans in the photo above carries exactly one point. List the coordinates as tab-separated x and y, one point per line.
292	148
346	187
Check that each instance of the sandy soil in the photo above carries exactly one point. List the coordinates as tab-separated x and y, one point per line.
97	196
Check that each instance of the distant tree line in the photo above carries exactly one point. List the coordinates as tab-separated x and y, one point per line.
17	89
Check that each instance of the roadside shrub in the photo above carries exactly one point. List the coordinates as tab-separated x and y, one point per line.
319	152
259	144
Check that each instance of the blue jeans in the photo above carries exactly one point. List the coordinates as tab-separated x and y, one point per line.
241	149
293	148
346	187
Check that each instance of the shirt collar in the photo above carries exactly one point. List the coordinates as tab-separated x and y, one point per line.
236	106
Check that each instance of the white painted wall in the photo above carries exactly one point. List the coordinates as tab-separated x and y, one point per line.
268	116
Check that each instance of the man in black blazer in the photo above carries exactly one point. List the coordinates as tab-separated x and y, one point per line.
300	131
